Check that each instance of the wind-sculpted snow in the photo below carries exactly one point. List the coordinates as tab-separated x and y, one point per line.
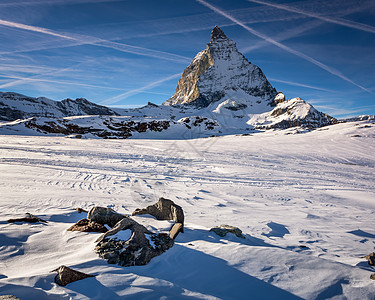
304	202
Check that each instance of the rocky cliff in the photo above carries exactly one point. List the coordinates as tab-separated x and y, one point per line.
217	70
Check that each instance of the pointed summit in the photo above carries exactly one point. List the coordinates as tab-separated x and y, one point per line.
217	33
218	71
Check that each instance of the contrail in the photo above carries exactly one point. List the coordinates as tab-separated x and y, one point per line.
138	90
100	42
282	46
301	85
25	79
339	21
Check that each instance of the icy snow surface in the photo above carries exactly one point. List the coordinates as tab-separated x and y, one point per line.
283	191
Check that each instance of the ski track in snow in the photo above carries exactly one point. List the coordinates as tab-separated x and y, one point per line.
314	189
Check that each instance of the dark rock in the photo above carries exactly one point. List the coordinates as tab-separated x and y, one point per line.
222	230
29	218
370	258
104	215
138	250
9	297
175	230
85	225
67	275
80	210
372	276
164	209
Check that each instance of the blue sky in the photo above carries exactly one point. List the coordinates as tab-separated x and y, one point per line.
124	53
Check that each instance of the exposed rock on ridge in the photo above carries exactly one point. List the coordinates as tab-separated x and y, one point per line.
218	69
15	106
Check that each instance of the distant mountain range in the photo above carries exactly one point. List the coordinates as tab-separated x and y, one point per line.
219	93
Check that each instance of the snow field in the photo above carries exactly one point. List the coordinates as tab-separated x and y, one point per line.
314	190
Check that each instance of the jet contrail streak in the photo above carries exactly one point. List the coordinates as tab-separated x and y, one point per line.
282	46
339	21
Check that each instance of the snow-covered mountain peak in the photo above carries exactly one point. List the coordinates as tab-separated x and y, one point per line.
218	34
218	69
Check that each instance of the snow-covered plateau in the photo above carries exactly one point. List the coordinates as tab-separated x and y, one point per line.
305	203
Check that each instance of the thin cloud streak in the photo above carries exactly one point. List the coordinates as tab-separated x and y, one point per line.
284	47
301	85
100	42
338	21
138	90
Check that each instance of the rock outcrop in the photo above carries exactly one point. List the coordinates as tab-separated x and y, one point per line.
222	230
29	218
138	250
67	275
85	225
370	258
164	209
218	69
104	215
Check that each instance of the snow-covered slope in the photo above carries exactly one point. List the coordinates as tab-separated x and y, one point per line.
217	70
304	202
16	106
221	92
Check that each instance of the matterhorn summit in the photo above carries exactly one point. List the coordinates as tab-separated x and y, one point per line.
221	72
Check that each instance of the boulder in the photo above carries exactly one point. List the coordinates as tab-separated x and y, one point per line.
372	276
370	258
85	225
175	230
139	249
29	218
164	209
222	230
67	275
104	215
81	210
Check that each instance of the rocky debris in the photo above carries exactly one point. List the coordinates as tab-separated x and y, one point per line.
85	225
67	275
109	127
9	297
175	230
164	209
29	218
370	258
104	215
81	210
138	250
222	230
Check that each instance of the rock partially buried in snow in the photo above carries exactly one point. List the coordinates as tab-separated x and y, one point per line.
372	276
164	209
29	218
85	225
222	230
9	297
81	210
370	258
138	250
67	275
104	215
175	230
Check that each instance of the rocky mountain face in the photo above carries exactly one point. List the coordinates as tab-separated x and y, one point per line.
15	106
218	69
219	93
